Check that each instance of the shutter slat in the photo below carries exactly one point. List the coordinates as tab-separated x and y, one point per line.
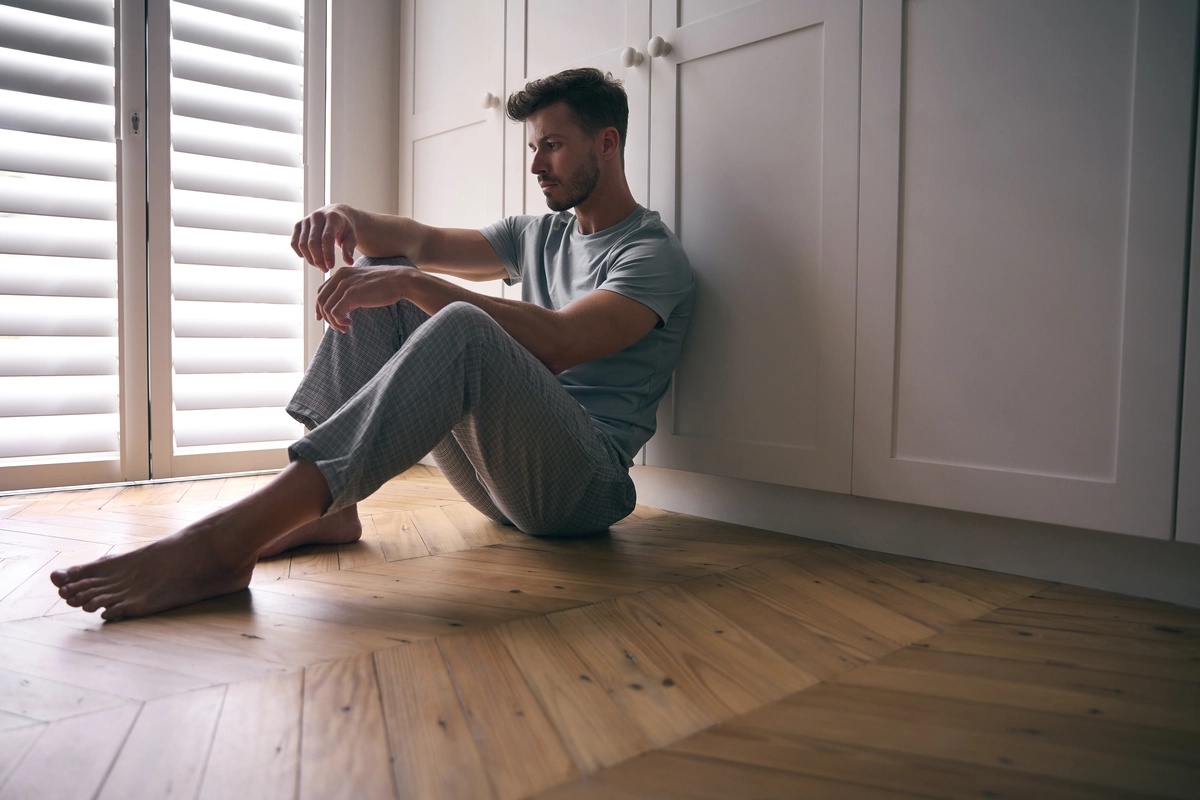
55	77
33	113
225	140
229	356
209	65
30	437
285	14
60	197
198	392
233	249
57	277
235	320
235	284
99	12
55	236
232	213
24	315
238	35
59	394
45	34
213	427
40	154
58	355
235	106
231	176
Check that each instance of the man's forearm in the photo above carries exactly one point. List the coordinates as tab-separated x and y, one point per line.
382	235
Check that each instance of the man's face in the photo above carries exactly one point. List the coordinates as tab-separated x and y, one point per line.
564	157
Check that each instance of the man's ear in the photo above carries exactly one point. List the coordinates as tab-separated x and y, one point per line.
611	143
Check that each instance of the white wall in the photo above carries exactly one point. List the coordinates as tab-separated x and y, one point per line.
364	90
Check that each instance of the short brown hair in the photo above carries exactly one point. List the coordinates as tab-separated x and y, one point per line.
596	99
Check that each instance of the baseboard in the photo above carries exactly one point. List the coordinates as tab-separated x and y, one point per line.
1160	570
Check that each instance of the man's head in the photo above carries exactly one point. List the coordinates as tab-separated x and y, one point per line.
596	100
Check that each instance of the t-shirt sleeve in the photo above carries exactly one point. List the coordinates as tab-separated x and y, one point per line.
505	238
652	270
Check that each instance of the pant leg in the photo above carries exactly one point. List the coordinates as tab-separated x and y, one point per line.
541	462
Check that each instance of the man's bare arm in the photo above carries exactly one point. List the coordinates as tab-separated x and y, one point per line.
461	252
589	328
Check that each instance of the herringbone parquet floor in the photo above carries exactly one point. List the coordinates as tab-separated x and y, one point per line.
445	656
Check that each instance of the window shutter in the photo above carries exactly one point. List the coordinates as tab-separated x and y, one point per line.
58	233
237	182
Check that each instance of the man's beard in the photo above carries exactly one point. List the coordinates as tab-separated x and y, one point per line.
580	185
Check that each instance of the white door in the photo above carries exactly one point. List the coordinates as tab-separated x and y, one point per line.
1021	262
548	36
753	164
452	115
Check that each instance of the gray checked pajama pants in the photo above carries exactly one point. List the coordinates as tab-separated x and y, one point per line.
507	435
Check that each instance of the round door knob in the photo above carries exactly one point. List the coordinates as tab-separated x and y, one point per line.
658	46
490	100
630	58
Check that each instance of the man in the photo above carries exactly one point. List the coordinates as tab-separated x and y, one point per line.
533	409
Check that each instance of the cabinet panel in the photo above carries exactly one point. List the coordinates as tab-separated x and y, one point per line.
753	164
547	36
452	143
1187	513
1021	257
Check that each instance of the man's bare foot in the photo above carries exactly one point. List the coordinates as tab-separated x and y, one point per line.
183	568
210	557
340	527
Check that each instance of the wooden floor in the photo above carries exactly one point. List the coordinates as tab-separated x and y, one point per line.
445	656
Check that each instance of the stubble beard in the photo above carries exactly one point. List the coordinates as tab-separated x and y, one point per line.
580	185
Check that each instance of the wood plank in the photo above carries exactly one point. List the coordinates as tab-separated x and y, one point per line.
141	644
594	729
438	599
433	751
817	654
437	531
1014	625
925	602
46	700
641	679
614	570
1133	688
994	588
521	749
367	550
15	571
14	744
1179	621
477	529
998	641
829	623
74	530
741	671
313	560
1081	699
256	747
204	492
150	494
41	662
74	754
1132	634
344	742
662	774
979	733
398	536
166	751
927	776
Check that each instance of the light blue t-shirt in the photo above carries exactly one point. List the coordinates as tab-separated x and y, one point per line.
639	258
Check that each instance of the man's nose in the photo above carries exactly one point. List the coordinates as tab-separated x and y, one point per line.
536	166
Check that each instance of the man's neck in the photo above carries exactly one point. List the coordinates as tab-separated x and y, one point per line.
604	209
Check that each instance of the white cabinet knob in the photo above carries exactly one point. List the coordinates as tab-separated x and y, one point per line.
658	46
490	100
630	58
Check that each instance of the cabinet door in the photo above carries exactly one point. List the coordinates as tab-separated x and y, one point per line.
1187	513
753	164
452	115
548	36
1023	226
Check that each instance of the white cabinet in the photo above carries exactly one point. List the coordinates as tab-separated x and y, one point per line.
753	164
451	114
548	36
1187	514
1021	257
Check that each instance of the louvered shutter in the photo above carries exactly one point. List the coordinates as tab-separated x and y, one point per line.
59	385
237	183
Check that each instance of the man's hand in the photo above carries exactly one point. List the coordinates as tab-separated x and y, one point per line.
317	237
350	288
